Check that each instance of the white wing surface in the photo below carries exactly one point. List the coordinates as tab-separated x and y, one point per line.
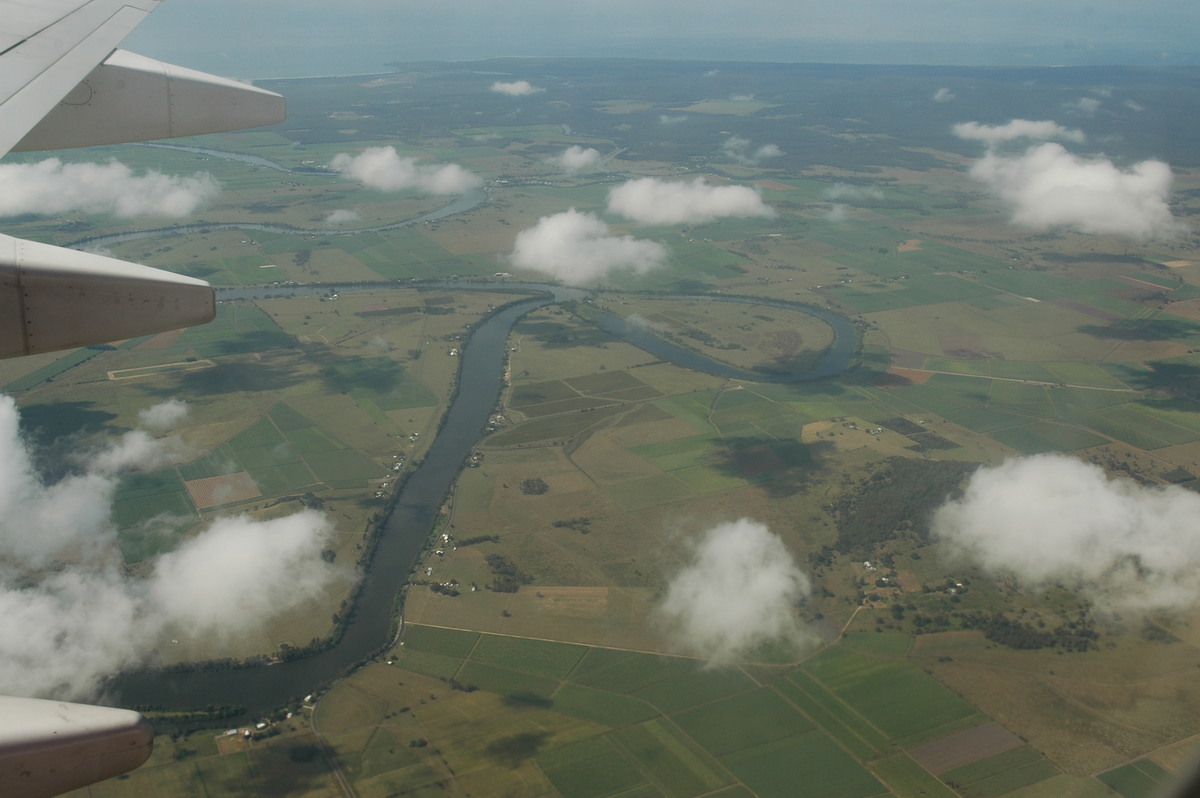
64	83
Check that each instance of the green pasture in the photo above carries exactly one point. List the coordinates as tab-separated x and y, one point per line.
898	698
637	494
1121	307
343	468
667	450
1038	285
907	779
286	478
980	368
705	479
592	768
576	405
1065	438
310	440
914	292
229	769
287	418
242	270
1147	423
508	683
238	328
150	511
692	409
439	666
259	434
674	763
993	301
604	383
742	406
805	764
695	687
1026	441
742	721
626	672
600	706
448	642
539	392
1007	369
554	428
859	238
536	657
939	257
216	463
263	457
51	370
1140	779
884	644
382	381
384	752
1017	393
1178	414
679	453
836	719
1088	375
1090	399
1042	410
1117	429
1006	782
182	779
634	394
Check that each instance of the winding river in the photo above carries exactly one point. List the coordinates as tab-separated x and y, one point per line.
264	688
467	202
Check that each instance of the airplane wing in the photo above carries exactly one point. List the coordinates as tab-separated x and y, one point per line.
64	83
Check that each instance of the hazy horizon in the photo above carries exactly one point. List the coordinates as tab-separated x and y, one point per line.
300	39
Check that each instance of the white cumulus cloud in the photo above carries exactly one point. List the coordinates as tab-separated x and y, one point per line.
342	216
1040	130
1048	187
1051	518
739	590
194	585
515	88
71	616
943	95
382	168
54	187
577	248
738	150
1088	106
652	201
672	119
577	159
164	415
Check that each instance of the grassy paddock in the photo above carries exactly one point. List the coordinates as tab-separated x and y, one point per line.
897	697
742	721
807	764
536	657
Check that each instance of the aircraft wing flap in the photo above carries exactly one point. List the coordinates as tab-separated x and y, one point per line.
54	298
41	68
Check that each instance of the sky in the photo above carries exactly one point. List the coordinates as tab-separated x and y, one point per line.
273	38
